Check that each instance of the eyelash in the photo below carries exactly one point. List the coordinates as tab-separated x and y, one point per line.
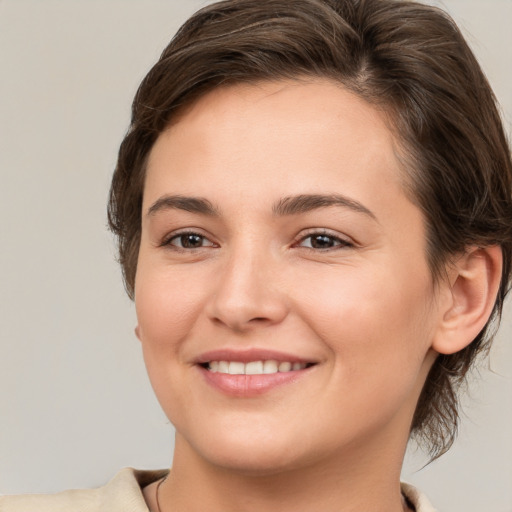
339	243
167	242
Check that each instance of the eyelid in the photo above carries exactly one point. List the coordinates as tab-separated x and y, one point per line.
168	238
344	241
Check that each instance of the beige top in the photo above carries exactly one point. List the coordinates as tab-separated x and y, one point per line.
123	494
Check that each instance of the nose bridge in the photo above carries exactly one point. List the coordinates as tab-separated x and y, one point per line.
248	291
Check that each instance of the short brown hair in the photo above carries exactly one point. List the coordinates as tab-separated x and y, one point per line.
406	58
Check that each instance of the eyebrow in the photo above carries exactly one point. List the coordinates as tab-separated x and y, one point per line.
304	203
189	204
290	205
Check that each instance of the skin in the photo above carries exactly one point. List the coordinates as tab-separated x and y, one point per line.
363	308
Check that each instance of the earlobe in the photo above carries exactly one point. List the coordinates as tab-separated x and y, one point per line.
137	332
474	281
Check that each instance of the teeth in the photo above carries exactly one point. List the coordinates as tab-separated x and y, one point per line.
223	367
236	368
285	367
270	367
254	367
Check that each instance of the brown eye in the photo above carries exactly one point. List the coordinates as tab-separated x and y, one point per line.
189	241
323	241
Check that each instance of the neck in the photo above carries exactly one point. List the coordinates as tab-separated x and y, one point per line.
353	481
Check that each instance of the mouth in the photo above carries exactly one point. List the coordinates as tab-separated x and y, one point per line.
259	367
253	372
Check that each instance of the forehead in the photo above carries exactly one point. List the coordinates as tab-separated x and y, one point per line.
292	134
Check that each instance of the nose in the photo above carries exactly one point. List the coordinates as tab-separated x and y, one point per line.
249	293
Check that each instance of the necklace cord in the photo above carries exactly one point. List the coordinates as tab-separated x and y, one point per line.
157	493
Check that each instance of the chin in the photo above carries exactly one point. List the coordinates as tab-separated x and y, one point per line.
256	462
249	453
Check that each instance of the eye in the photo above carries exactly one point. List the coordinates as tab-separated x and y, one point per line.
188	240
323	241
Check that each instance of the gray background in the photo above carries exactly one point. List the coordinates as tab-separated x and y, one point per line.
75	403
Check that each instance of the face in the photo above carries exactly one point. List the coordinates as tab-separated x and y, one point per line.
284	301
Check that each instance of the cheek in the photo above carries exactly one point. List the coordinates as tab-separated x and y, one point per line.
375	322
166	306
378	334
166	309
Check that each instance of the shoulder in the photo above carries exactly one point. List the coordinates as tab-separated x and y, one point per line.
122	494
416	498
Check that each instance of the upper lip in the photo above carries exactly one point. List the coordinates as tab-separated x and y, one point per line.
248	355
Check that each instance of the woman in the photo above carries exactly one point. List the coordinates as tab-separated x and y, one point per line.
313	208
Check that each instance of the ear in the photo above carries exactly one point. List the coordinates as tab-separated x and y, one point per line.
137	332
470	293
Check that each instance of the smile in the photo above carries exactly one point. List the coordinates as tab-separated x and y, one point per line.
254	367
253	372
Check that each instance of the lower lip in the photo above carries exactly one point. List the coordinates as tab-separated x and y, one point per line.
250	385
